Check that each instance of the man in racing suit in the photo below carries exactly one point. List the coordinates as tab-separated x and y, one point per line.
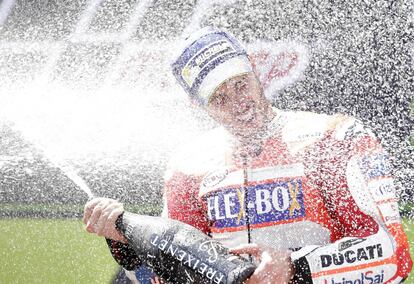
310	196
320	185
314	184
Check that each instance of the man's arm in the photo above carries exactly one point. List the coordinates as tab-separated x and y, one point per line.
370	245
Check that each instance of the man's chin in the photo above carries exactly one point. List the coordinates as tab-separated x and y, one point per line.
247	133
253	133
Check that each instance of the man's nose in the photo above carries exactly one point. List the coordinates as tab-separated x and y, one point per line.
237	104
242	104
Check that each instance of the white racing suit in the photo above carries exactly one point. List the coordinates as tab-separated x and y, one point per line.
318	185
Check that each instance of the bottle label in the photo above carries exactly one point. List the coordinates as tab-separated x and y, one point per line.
201	265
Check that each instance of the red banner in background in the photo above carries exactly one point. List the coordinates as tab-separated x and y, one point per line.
278	64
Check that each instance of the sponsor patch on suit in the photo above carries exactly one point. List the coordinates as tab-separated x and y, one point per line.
266	204
376	166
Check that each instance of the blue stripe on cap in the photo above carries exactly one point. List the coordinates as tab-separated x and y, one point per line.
206	40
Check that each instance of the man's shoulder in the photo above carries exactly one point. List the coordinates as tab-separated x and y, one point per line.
204	152
301	128
311	122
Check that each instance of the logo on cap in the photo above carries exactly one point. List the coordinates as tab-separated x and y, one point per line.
199	61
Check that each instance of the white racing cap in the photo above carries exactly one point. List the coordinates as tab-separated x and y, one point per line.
206	59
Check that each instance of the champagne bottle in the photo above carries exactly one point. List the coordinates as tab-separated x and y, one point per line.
179	253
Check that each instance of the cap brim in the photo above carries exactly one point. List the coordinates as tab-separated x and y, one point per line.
231	68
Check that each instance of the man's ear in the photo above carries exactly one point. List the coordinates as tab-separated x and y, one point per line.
252	62
249	57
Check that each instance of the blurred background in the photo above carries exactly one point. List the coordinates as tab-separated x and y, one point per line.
86	95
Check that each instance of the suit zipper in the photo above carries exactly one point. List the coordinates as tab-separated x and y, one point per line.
246	197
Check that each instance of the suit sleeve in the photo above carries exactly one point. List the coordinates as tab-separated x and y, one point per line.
181	201
369	245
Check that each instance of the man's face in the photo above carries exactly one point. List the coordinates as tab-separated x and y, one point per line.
240	106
